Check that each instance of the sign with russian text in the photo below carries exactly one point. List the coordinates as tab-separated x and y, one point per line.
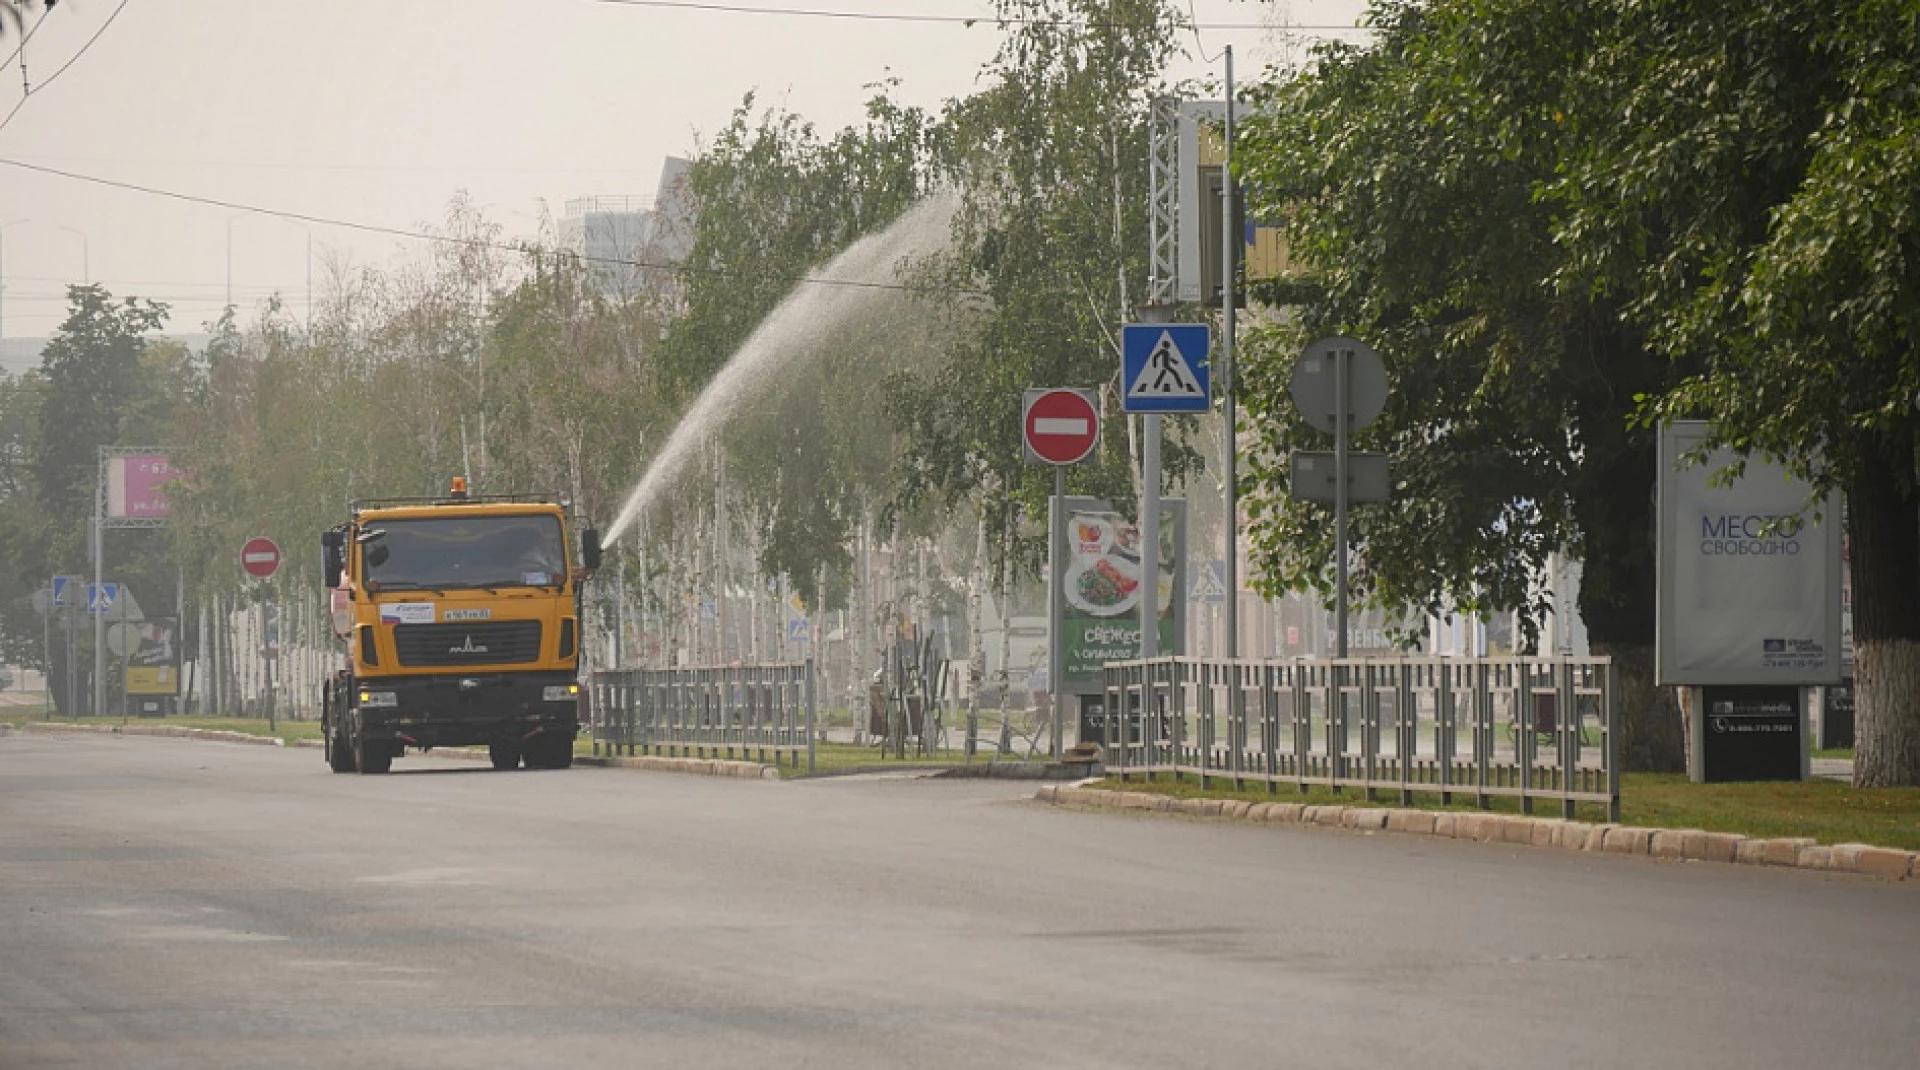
1748	571
1100	608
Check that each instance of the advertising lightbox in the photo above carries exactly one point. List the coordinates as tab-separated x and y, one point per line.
1748	572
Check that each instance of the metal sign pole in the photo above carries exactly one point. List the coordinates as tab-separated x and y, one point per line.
1056	609
1228	241
99	593
269	641
1150	538
1341	356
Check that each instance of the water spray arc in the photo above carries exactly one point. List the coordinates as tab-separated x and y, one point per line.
806	318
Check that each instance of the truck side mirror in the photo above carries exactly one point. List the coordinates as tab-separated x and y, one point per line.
590	548
332	559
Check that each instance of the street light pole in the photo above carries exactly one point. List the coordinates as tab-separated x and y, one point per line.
86	269
3	270
231	220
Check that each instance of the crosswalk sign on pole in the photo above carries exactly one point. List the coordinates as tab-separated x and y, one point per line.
1209	584
101	598
1165	367
63	590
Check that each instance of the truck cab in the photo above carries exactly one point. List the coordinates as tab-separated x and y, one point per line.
460	618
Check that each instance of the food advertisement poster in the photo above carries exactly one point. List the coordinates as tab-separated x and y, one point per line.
1100	598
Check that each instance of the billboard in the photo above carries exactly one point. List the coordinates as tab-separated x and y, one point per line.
134	486
153	663
1201	157
1748	572
1100	600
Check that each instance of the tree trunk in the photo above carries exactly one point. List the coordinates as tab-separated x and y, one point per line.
1613	502
1616	600
1885	542
1652	736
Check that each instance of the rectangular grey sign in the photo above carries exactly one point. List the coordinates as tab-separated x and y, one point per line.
1368	477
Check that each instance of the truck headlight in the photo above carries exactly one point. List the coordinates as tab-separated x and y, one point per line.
561	693
378	698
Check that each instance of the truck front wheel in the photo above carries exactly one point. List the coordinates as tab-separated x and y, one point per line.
339	755
504	755
372	756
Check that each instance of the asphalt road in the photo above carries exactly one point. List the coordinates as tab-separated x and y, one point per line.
167	903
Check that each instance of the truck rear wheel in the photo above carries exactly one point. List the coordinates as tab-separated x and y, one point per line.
549	751
505	755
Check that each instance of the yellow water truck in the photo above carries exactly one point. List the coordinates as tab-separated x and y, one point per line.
460	618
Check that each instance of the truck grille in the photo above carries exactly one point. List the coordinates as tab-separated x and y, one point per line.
503	642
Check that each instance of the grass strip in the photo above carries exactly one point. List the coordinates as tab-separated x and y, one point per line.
1826	810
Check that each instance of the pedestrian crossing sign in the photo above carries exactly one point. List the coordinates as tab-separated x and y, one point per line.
1209	584
1165	367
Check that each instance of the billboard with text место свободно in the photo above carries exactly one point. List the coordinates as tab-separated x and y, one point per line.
1748	572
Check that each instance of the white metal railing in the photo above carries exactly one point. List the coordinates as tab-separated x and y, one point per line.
753	712
1532	728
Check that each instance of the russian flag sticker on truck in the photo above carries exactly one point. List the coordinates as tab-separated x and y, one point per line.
406	613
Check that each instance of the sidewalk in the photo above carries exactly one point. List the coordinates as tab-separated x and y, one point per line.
1833	769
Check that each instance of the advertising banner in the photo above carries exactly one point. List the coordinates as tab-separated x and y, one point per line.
1100	597
1748	574
153	665
134	487
1751	733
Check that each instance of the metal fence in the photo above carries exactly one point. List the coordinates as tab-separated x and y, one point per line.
753	713
1531	728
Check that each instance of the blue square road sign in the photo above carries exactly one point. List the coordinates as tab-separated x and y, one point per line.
1165	367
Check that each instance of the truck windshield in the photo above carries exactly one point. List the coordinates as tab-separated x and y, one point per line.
475	551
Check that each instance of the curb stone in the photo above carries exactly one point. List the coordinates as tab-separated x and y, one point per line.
173	731
1688	845
699	766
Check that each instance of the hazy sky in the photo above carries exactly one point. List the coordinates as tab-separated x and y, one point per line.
378	111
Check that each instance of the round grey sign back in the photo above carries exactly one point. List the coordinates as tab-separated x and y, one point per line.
1313	385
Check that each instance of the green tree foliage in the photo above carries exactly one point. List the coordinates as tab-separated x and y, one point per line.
1756	205
23	525
1050	161
1406	172
102	382
96	387
775	201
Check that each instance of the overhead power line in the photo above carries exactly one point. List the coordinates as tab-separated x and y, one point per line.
952	20
472	243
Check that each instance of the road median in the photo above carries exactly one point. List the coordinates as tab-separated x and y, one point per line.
1688	845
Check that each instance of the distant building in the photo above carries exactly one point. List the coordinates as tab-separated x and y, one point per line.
628	245
20	355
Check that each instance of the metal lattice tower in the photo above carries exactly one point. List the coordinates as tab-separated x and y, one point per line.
1163	140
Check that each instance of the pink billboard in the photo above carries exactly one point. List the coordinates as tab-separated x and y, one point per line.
134	486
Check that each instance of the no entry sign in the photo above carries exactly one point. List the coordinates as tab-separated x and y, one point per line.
1060	426
260	557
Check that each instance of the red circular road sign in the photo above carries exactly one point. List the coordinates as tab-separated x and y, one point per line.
260	556
1061	425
